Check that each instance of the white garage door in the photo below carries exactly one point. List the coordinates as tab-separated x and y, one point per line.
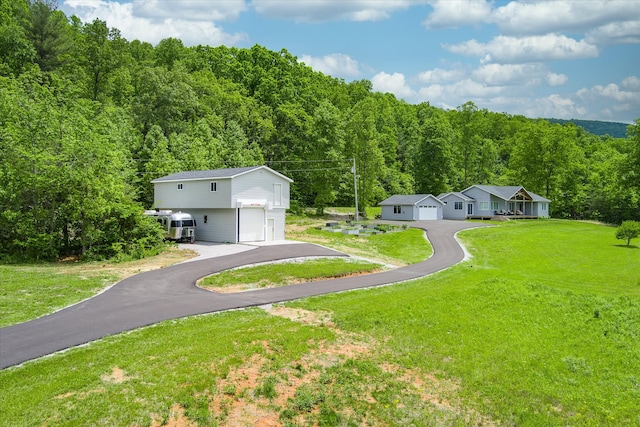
251	225
427	212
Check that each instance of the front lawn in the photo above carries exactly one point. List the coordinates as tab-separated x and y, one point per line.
539	328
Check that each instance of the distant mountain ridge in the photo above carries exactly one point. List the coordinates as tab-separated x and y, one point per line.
596	127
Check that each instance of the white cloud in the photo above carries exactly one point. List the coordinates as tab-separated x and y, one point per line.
195	10
616	33
331	10
517	74
393	83
505	49
152	29
631	83
554	79
542	17
336	64
453	14
611	101
439	75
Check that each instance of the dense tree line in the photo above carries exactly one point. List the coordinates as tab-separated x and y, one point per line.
88	118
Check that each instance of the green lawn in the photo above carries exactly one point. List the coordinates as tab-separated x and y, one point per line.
541	327
28	292
280	274
396	248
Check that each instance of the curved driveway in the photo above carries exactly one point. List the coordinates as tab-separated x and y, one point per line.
171	293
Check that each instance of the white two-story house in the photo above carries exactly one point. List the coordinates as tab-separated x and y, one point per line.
230	205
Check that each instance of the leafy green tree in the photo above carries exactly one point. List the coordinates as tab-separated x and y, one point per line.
49	32
328	145
164	98
168	52
16	51
628	230
362	144
104	51
433	157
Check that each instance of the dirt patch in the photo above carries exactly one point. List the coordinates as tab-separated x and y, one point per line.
260	390
176	418
122	270
116	376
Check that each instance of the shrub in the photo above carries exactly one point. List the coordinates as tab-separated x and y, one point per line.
628	230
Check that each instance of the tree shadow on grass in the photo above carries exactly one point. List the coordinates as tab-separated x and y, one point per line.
627	247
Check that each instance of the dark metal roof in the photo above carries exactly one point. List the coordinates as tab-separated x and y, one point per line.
211	174
508	192
458	195
409	199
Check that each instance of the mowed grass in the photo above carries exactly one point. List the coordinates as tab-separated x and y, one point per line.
508	337
33	290
397	248
28	292
281	274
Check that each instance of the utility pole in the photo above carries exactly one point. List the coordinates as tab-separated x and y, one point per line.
355	186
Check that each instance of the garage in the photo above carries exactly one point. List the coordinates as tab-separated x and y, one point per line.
251	224
411	207
427	212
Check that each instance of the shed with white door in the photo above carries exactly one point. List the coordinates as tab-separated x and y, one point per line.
230	205
413	207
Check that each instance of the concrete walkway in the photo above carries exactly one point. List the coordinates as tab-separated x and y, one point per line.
170	293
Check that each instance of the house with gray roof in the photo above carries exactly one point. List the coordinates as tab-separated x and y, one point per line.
477	201
412	207
230	205
490	200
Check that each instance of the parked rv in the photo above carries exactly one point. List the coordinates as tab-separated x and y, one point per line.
178	226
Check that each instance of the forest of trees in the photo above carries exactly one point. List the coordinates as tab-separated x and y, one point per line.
88	118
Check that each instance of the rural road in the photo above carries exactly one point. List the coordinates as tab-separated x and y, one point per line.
170	293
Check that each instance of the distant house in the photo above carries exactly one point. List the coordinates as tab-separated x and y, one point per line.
230	205
490	200
477	201
412	207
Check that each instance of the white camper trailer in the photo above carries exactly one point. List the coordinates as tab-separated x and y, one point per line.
178	226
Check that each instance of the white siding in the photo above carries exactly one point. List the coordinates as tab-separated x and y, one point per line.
278	215
450	212
259	185
405	215
194	194
221	207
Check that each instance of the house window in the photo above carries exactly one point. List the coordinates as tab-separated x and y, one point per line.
484	206
494	206
277	194
180	186
457	206
214	186
544	206
397	209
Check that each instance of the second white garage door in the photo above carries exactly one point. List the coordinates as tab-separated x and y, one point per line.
251	225
427	212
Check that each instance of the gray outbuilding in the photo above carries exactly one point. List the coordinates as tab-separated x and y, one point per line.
413	207
230	205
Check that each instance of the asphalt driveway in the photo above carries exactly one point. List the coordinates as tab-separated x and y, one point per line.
171	293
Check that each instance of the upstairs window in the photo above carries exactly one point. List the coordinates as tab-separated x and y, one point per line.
277	194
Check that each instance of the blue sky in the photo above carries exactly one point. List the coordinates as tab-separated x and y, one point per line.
564	59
